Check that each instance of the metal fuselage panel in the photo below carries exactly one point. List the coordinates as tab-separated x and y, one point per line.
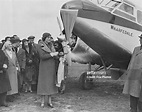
111	36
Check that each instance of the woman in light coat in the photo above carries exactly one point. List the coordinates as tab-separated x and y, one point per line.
12	67
47	70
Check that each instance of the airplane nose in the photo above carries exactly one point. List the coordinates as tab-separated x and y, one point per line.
69	12
75	4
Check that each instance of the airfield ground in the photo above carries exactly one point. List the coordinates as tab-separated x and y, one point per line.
106	96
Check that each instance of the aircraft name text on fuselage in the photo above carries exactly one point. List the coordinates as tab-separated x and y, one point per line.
121	31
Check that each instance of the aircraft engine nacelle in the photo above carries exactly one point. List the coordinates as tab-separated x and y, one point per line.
83	54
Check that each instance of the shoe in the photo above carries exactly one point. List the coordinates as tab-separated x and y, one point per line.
30	91
5	105
50	105
42	105
26	91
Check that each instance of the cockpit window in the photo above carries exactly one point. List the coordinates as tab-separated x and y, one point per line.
139	16
126	11
127	8
109	4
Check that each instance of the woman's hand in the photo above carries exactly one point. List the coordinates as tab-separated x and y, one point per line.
5	66
54	54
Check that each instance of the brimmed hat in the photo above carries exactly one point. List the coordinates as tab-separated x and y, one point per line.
31	37
46	35
140	36
15	39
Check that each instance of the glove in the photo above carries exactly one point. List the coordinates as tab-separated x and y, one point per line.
4	65
54	54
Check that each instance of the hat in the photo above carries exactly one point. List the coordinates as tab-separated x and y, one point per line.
24	40
15	39
46	35
140	36
31	37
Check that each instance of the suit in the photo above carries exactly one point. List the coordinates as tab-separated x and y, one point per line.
21	57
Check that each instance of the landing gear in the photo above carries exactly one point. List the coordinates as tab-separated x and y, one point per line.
85	83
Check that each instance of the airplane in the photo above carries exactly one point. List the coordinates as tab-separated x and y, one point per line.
109	27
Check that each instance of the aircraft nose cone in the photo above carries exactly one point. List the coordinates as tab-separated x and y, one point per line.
75	4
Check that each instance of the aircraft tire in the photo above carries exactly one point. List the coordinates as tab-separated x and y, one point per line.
85	83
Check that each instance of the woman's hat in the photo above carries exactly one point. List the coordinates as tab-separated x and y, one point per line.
46	35
24	40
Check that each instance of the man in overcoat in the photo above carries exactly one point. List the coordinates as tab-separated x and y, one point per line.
21	57
35	61
133	84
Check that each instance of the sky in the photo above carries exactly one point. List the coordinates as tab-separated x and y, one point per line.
31	17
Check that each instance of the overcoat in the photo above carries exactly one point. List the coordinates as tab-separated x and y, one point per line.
29	69
12	73
21	57
47	72
4	80
133	82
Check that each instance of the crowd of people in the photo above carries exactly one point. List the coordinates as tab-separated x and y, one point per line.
26	67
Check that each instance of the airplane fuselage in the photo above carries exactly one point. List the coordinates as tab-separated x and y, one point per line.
112	34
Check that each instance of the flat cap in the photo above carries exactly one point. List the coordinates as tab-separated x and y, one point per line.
31	37
15	39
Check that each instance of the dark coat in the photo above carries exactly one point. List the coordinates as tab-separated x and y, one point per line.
4	80
21	56
30	70
36	62
47	72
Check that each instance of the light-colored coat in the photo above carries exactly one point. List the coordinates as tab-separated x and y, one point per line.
133	82
12	73
47	72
